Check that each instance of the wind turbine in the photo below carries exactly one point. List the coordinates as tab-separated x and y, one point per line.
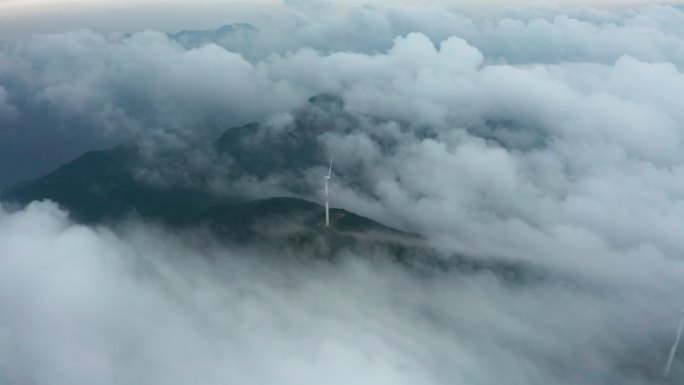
327	204
666	373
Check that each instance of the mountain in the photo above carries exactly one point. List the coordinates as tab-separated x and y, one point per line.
233	37
101	186
297	224
106	186
293	224
98	187
284	216
291	150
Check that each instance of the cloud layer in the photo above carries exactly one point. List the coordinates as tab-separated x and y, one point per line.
92	305
83	90
546	135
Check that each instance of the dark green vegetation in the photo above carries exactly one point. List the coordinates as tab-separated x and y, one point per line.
100	186
297	224
244	220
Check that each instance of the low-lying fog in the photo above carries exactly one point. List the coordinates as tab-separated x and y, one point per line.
137	304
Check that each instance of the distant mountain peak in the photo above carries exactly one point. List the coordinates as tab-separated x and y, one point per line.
327	101
232	37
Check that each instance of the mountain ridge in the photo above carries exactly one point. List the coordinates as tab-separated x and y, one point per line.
103	187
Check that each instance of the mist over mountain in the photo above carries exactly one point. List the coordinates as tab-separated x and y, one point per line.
508	199
174	184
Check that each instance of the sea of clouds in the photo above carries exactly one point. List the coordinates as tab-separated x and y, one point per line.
544	135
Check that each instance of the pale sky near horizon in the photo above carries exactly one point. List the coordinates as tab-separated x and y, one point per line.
134	15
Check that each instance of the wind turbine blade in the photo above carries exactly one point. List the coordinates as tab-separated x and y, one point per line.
330	168
666	373
332	185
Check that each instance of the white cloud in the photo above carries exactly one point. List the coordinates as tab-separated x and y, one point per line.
88	305
546	136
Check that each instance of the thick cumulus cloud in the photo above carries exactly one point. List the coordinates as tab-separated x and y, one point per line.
80	90
62	94
544	135
139	305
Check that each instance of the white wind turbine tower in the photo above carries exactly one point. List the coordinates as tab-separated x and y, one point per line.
327	204
674	346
